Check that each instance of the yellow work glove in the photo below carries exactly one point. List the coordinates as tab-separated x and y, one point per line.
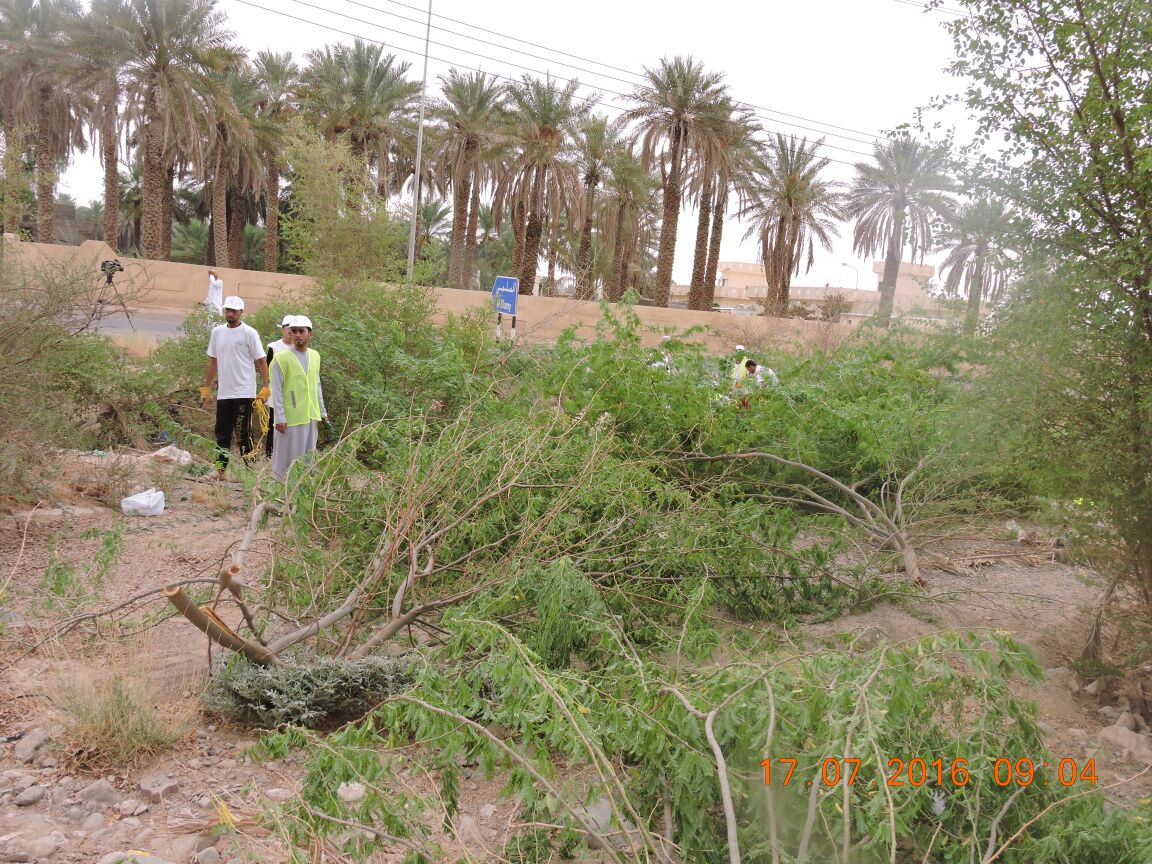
205	395
264	395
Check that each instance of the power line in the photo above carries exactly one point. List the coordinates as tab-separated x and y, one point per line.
944	9
870	135
500	60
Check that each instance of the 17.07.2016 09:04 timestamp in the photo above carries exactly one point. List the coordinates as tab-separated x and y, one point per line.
834	770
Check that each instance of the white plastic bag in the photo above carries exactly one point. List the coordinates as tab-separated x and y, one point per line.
150	502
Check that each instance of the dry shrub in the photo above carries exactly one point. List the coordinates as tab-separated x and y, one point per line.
112	721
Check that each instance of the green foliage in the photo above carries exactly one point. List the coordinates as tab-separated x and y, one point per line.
335	226
947	697
64	588
308	691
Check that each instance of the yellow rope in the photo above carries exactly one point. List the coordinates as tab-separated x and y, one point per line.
259	426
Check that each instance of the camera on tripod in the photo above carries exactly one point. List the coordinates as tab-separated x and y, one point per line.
111	268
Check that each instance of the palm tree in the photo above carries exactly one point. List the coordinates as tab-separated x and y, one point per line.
434	222
543	114
33	38
979	259
179	48
471	110
895	203
231	161
279	81
628	217
727	157
597	142
359	93
792	208
102	46
671	112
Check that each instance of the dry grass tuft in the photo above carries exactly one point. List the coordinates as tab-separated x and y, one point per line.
111	718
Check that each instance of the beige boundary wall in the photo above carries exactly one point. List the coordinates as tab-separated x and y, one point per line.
165	286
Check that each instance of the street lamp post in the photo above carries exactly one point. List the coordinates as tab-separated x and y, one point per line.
419	154
856	286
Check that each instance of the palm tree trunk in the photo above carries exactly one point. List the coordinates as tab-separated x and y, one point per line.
167	211
533	230
553	251
470	233
718	211
584	253
517	237
975	295
151	205
45	170
776	302
109	141
271	215
614	290
237	222
461	196
700	259
13	177
668	226
220	217
891	271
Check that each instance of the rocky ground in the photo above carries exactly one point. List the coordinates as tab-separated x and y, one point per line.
201	800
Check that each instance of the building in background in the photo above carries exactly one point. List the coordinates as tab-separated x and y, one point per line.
741	290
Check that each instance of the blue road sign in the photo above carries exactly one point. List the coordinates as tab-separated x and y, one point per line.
504	293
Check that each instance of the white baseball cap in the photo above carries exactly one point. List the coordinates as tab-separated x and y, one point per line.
301	321
233	302
286	321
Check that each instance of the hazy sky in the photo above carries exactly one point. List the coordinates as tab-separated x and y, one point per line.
849	68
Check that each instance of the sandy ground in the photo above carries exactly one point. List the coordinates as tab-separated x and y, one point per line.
988	583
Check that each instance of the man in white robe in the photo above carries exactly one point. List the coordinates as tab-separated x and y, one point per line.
297	398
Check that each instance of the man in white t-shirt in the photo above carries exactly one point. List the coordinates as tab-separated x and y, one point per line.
235	354
273	349
215	298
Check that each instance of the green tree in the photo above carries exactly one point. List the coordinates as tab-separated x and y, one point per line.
359	93
34	36
1064	86
979	259
727	158
597	140
179	48
542	119
895	203
471	110
791	208
102	47
279	82
673	110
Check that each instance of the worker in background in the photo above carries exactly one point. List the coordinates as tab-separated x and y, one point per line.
275	348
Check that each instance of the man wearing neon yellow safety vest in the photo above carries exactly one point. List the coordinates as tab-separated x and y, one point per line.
297	397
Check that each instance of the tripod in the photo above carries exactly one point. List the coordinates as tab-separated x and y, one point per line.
103	302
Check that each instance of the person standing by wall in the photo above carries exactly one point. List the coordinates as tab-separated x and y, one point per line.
215	298
275	348
235	355
297	398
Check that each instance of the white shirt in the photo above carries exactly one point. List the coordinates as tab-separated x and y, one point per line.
215	297
275	347
236	350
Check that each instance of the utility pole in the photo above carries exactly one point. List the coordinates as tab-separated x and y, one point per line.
419	153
